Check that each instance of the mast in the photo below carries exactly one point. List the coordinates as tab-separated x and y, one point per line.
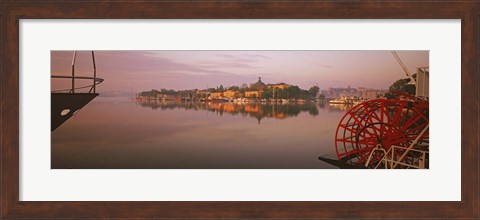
412	80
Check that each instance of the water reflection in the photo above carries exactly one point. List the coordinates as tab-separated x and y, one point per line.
338	107
196	135
255	110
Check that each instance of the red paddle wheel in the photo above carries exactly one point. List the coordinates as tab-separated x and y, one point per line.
368	130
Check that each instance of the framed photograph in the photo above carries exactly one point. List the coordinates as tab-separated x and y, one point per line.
239	109
236	116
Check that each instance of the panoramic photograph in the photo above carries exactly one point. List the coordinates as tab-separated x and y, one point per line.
239	109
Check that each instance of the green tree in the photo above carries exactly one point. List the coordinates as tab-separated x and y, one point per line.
314	91
292	92
402	85
267	94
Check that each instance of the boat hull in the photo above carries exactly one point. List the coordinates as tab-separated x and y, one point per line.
65	105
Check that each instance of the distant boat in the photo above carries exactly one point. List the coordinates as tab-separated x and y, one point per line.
347	101
360	101
338	101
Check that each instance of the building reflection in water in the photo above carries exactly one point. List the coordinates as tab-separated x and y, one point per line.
254	110
135	134
337	107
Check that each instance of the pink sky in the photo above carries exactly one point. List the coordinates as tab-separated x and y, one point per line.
145	70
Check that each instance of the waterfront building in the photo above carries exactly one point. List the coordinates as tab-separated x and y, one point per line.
256	89
216	95
230	94
253	94
278	86
202	92
258	86
362	92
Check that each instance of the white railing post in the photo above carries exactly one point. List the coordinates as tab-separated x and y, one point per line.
73	71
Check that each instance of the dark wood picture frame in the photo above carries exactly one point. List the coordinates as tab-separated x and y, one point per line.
12	11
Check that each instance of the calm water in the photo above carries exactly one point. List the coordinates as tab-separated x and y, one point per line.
129	134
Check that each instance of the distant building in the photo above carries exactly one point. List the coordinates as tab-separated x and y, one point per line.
256	89
202	92
360	92
258	86
230	94
372	94
253	94
216	95
278	86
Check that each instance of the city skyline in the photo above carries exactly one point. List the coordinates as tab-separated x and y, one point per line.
180	70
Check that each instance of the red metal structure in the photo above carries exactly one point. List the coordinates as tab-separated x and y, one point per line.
368	131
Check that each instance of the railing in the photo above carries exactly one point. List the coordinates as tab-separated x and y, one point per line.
92	86
390	163
391	160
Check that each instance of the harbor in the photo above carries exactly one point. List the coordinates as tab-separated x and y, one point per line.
268	123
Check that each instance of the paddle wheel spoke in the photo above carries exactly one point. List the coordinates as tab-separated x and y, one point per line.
368	130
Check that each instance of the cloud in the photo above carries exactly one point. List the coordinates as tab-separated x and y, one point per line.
225	56
229	61
238	58
256	55
185	69
149	63
225	64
